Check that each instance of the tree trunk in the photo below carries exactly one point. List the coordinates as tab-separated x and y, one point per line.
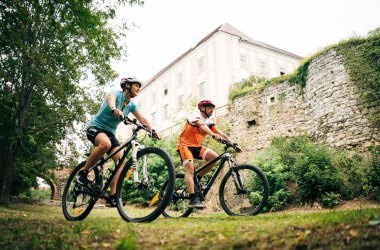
11	148
8	163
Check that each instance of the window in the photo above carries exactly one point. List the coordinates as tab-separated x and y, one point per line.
200	66
153	116
166	112
263	68
201	90
243	61
165	90
179	79
282	71
180	102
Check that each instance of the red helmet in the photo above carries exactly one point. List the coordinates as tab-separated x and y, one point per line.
205	103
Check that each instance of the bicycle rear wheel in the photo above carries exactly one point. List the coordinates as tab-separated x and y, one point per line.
252	195
145	201
77	201
179	201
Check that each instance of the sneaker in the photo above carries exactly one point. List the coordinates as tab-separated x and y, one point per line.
195	202
82	177
111	202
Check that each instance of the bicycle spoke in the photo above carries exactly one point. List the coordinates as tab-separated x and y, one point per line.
76	199
145	200
178	205
249	196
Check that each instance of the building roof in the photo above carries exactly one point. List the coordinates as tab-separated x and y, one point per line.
226	28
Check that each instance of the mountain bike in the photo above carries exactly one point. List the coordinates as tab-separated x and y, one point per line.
244	190
140	193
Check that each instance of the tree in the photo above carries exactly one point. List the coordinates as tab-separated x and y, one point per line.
46	49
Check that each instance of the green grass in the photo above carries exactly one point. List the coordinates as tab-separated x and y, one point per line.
37	227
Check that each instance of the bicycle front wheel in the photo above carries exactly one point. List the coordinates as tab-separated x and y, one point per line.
248	195
146	199
77	201
179	201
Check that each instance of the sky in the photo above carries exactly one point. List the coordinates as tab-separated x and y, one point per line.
162	30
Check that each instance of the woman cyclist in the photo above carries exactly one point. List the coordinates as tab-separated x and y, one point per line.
102	128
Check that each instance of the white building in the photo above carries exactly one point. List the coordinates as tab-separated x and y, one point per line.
223	57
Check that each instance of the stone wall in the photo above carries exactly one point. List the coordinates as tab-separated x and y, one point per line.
328	109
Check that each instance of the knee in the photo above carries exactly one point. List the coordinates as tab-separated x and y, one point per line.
189	168
104	146
211	155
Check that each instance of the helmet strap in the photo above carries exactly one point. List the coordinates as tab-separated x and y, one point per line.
204	111
129	90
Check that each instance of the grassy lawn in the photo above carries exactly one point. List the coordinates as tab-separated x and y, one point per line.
40	227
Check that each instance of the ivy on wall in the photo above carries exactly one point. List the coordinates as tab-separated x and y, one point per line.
361	57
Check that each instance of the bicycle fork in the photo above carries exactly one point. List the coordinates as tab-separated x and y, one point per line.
135	148
236	177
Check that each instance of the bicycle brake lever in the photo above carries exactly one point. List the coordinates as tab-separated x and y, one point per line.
154	134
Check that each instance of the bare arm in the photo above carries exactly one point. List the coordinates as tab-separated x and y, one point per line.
142	119
111	102
205	129
223	135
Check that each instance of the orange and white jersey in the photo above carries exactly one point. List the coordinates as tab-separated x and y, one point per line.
191	135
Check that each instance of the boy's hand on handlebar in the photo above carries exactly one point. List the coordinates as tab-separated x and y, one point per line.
236	147
230	144
217	137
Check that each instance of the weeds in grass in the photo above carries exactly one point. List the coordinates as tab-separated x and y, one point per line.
32	227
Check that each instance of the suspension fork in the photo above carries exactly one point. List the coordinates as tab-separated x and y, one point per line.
136	146
232	164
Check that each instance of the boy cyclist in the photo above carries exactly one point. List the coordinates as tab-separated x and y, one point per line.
101	129
189	146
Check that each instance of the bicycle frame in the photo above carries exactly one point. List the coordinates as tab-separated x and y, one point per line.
131	143
224	157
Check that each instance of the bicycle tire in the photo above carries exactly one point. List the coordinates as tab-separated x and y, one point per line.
144	202
179	201
74	191
254	197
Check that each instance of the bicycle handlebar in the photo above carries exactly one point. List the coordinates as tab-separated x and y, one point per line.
230	145
127	121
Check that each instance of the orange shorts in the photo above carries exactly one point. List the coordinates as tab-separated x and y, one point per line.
188	154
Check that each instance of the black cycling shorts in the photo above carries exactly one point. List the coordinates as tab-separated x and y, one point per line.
189	153
92	132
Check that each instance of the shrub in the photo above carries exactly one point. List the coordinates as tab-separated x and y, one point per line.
330	199
374	173
300	171
315	173
36	194
355	169
279	200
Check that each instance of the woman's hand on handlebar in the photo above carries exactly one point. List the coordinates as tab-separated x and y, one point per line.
155	135
117	113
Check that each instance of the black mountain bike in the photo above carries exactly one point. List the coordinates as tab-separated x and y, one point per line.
140	193
244	190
